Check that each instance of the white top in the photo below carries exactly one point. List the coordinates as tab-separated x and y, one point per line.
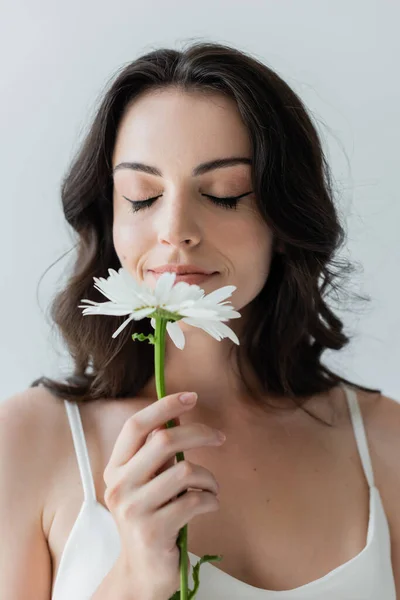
94	545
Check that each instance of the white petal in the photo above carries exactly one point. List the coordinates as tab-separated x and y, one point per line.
89	311
142	312
163	287
178	306
207	326
225	313
106	291
176	334
124	324
139	291
107	308
199	313
226	331
121	288
220	294
153	322
178	292
216	329
182	292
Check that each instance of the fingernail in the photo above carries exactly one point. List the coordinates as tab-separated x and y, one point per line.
221	436
188	398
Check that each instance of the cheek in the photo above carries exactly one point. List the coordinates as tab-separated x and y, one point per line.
127	241
254	256
254	243
263	252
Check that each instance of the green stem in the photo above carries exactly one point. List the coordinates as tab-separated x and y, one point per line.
159	354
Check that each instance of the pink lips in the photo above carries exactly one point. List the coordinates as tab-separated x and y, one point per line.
191	278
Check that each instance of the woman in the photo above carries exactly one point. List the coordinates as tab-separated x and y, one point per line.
204	159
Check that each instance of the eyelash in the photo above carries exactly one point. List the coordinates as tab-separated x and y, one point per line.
230	202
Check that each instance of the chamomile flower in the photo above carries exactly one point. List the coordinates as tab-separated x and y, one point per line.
181	301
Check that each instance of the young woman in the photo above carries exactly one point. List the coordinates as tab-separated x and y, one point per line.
202	161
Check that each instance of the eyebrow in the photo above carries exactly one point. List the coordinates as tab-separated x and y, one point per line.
199	170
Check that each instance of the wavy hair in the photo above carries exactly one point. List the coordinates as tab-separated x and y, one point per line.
290	323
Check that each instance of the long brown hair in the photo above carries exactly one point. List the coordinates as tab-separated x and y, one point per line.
290	323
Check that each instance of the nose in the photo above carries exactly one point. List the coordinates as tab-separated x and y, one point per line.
178	223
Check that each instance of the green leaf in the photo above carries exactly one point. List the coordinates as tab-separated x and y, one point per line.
196	569
142	337
196	576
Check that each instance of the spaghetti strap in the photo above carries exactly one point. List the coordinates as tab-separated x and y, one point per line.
81	450
359	432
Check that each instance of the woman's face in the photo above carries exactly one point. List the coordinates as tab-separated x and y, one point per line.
174	132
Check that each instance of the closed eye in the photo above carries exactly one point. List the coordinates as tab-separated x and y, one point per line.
228	202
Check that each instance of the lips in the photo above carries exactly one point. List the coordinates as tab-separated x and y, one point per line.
182	270
191	278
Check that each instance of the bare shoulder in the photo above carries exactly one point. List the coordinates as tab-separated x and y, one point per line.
28	413
28	402
30	422
381	415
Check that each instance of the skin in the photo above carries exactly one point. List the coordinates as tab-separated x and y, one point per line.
175	131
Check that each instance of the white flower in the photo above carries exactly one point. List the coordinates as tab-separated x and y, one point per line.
181	301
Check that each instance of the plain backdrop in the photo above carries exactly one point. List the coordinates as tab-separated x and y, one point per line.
56	58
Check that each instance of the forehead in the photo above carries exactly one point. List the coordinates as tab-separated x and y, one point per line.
183	127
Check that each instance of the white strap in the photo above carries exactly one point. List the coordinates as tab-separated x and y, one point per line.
81	450
359	432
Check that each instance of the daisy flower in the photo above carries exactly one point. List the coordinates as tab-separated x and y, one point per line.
181	301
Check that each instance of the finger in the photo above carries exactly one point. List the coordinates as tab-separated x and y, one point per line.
136	429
